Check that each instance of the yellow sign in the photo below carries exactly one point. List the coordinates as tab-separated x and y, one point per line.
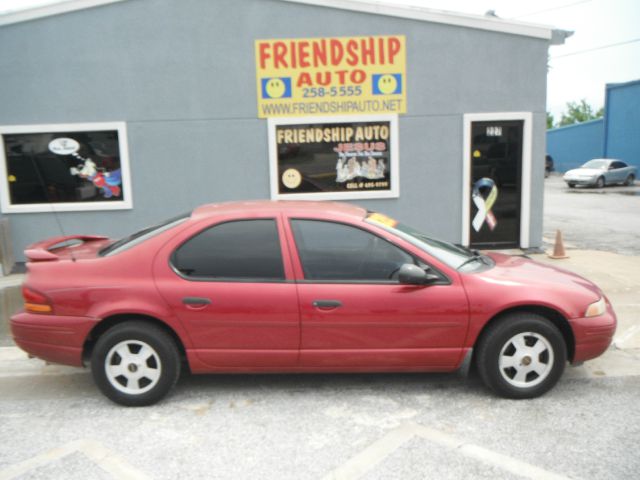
331	76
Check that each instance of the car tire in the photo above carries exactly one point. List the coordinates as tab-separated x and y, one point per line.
600	183
523	355
571	185
630	180
152	365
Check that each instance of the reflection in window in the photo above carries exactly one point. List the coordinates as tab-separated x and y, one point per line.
333	251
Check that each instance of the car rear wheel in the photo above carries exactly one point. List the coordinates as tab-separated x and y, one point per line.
630	180
521	356
571	185
135	363
600	182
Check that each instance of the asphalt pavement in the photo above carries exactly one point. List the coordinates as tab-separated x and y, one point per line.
605	219
55	424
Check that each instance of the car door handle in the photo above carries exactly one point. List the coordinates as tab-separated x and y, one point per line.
327	304
196	301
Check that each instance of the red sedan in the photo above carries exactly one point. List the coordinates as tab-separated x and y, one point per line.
301	287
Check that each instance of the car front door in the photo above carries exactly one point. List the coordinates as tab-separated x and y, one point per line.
356	314
228	284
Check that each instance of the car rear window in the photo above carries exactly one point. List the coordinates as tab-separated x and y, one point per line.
140	236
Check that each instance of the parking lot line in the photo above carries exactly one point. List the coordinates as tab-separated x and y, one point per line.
101	456
377	452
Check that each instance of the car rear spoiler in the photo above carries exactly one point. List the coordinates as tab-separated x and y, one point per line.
40	251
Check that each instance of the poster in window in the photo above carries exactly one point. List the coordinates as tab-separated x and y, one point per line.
333	158
65	168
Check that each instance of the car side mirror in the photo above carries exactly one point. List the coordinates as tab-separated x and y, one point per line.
410	274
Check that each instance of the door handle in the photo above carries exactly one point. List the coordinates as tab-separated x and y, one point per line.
196	301
327	304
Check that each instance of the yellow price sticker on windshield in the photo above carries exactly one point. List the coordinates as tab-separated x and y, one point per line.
382	219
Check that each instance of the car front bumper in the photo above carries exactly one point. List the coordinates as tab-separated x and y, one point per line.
593	335
581	181
54	338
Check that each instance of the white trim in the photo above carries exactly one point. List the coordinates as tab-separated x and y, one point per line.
125	204
525	188
480	22
50	10
393	192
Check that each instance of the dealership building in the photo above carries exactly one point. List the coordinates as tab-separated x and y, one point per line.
118	114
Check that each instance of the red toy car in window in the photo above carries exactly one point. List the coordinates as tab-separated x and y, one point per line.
301	287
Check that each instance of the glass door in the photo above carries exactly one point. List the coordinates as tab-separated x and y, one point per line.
496	183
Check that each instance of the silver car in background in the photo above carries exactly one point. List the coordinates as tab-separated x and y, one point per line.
600	172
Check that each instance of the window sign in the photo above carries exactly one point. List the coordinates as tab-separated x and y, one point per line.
70	167
333	158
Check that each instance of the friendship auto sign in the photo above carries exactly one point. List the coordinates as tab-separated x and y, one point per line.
331	76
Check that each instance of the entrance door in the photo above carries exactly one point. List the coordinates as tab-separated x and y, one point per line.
496	183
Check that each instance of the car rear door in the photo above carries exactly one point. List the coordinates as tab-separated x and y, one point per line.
354	312
229	283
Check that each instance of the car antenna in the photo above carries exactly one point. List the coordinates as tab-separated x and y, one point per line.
51	204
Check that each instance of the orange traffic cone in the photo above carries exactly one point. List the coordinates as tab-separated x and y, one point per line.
558	248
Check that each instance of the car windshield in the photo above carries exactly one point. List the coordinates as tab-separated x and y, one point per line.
140	236
452	255
596	164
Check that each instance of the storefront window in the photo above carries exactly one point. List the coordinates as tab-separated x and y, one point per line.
334	157
65	168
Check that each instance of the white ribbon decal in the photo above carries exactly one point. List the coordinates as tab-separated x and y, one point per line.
484	204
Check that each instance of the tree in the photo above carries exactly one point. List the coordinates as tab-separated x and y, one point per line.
578	112
549	121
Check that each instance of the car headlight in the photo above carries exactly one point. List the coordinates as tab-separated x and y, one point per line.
596	308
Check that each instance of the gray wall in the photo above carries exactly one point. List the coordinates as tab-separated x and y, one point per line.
182	75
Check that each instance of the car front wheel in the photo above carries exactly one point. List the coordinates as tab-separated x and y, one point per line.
135	363
521	356
600	182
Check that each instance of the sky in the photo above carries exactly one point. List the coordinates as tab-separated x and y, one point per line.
605	47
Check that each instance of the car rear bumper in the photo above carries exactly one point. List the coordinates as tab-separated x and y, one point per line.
593	335
56	339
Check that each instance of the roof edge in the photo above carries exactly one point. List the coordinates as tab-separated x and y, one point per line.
611	86
50	10
495	24
574	125
545	32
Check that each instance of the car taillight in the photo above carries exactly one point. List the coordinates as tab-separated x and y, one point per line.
36	302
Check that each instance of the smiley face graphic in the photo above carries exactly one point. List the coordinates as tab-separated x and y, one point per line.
387	84
275	87
291	178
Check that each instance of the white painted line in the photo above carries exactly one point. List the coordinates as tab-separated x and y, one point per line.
484	455
371	456
619	340
102	457
377	452
12	353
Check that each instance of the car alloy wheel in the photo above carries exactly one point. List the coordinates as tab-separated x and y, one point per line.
600	182
521	355
133	367
526	359
135	363
630	180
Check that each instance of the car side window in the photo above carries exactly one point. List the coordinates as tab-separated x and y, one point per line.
332	251
239	250
619	164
